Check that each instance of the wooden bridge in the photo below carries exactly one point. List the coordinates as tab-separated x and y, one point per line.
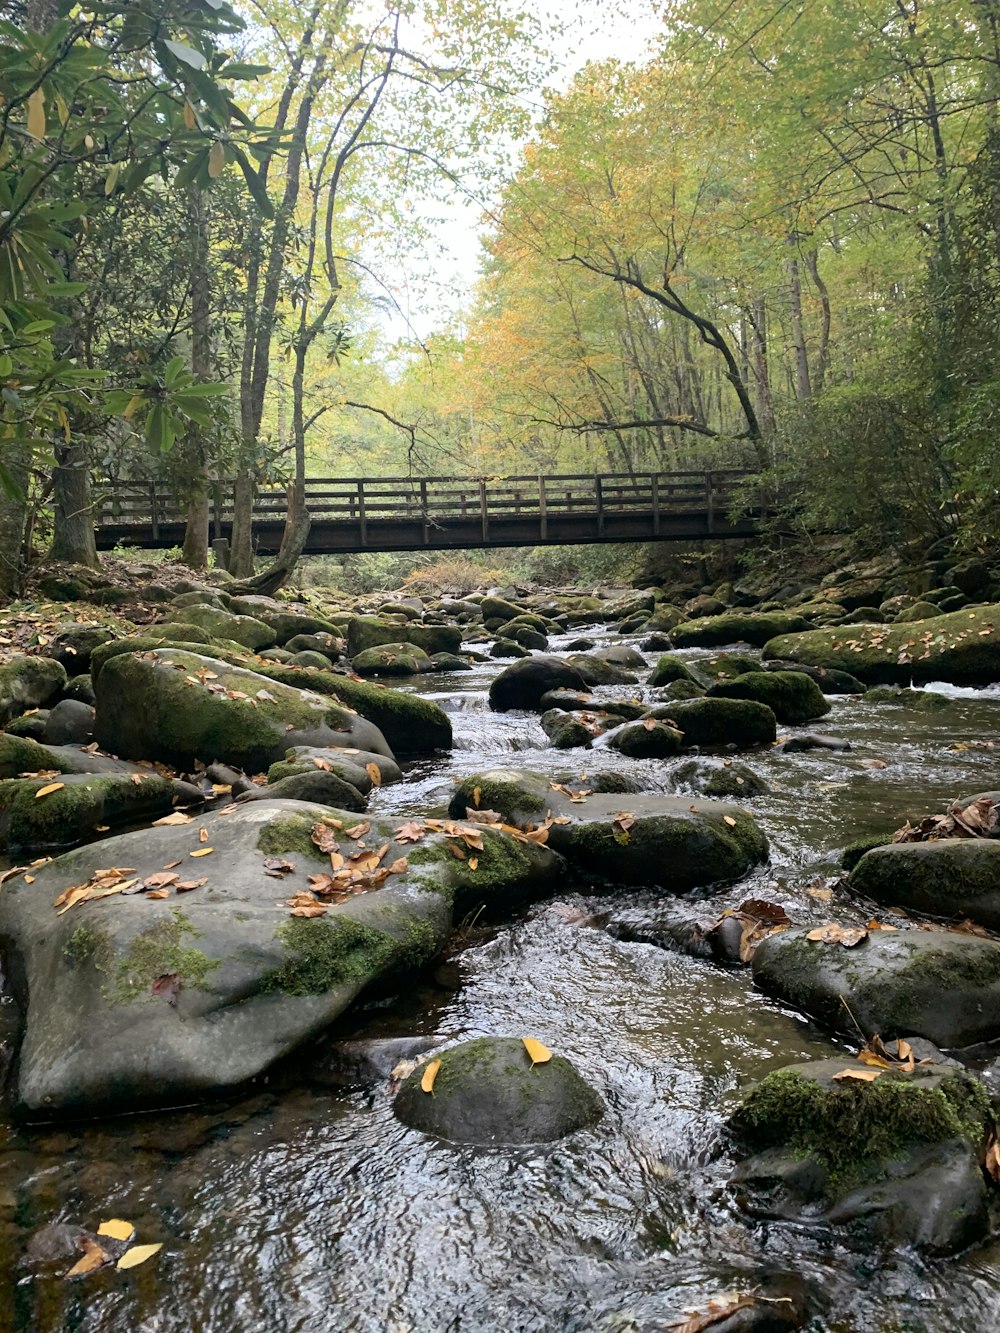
447	513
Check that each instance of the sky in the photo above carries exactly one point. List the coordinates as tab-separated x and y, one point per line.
448	269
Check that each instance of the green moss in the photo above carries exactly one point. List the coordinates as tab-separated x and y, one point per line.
155	952
736	627
86	945
291	833
668	669
495	794
325	952
792	696
855	850
853	1128
19	754
67	815
720	721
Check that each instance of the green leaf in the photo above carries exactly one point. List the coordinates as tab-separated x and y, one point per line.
186	54
173	372
255	185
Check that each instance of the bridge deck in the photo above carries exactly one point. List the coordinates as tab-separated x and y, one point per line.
445	513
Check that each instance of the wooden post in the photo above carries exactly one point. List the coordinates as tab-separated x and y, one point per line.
710	500
543	518
656	503
599	496
484	512
221	548
423	510
362	514
154	517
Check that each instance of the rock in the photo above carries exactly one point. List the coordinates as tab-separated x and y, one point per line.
664	619
972	577
810	740
305	658
246	630
722	666
668	844
935	984
20	754
855	850
621	655
830	682
712	722
580	646
522	684
158	636
792	697
199	597
488	1092
646	740
952	878
506	648
368	632
962	648
176	706
531	638
737	627
652	643
918	611
569	701
129	1002
312	784
668	669
628	605
392	659
32	726
28	682
565	731
326	644
721	779
69	723
351	766
80	688
701	606
74	642
451	662
83	803
364	1062
498	608
596	671
681	689
896	1160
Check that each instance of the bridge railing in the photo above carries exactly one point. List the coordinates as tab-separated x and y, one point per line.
434	501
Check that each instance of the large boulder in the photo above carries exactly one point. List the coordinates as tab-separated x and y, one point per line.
488	1091
646	740
179	707
522	684
370	632
21	755
129	1001
962	648
596	670
895	1160
951	878
669	668
792	696
935	984
717	722
80	805
664	841
28	682
755	628
830	682
74	642
392	659
246	630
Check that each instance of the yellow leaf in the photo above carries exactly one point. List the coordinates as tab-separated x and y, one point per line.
860	1075
540	1055
477	795
203	834
116	1229
178	817
203	851
36	125
429	1075
375	773
133	406
49	788
190	120
216	159
728	819
94	1257
138	1254
62	109
473	862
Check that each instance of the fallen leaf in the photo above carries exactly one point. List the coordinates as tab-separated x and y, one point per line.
186	885
202	851
161	879
411	832
117	1229
359	830
47	790
728	819
539	1054
159	893
429	1075
857	1075
473	862
176	818
375	773
137	778
166	986
94	1257
992	1160
832	933
477	795
203	834
402	865
138	1254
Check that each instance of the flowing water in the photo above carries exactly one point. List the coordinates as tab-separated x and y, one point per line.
303	1209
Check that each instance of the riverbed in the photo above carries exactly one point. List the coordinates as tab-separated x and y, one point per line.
303	1209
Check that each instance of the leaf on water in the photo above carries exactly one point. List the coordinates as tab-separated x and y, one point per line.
49	788
429	1075
203	851
94	1257
716	1312
176	818
138	1254
832	933
822	895
375	773
538	1054
117	1229
857	1075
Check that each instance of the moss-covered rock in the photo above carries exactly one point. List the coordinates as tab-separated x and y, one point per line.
855	850
933	984
567	731
962	648
952	878
392	659
74	641
522	684
28	682
721	779
830	682
596	670
370	632
154	636
718	722
312	784
499	609
792	696
646	740
509	648
487	1091
722	666
681	689
174	705
664	619
755	628
245	630
668	669
84	803
918	611
895	1160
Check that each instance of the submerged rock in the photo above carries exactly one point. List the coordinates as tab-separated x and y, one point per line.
930	983
128	1001
487	1091
895	1160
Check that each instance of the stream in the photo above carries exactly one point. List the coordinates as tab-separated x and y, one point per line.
304	1209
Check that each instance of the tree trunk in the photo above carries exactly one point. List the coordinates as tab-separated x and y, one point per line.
73	537
803	388
269	580
241	555
15	461
195	549
761	369
823	354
